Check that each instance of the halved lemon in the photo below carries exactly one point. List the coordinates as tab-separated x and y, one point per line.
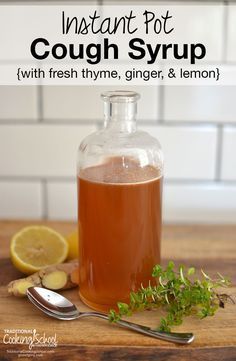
35	247
73	242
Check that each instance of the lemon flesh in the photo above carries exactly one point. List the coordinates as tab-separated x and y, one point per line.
35	247
73	243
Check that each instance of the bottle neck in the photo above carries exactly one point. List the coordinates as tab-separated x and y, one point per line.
120	116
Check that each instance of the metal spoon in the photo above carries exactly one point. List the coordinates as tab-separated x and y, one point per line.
57	306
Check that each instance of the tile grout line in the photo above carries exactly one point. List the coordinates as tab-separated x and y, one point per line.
44	199
161	105
71	122
218	156
40	102
14	178
225	33
54	121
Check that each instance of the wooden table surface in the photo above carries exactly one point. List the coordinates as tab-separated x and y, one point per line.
212	248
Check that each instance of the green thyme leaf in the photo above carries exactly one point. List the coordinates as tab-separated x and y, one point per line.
191	271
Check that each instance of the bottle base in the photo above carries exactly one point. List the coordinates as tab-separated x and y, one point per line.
98	306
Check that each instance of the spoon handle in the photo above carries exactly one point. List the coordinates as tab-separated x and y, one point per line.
181	338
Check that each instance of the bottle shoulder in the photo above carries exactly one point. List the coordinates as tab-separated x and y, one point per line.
112	140
103	144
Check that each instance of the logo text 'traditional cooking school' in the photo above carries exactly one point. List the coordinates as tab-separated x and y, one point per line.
31	338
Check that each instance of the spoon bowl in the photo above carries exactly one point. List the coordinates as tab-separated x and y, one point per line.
44	302
52	302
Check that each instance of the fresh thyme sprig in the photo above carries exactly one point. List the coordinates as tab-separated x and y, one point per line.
178	294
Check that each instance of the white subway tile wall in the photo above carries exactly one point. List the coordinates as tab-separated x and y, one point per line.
231	29
214	104
62	200
42	150
18	103
229	154
200	203
189	152
21	199
41	128
74	103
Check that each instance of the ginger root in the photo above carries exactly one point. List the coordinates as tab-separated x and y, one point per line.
58	277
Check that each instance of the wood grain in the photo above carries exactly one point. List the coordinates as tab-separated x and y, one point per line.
210	247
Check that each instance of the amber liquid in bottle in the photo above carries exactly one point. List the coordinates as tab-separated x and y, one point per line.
120	230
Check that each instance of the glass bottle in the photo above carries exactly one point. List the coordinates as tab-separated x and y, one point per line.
119	173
